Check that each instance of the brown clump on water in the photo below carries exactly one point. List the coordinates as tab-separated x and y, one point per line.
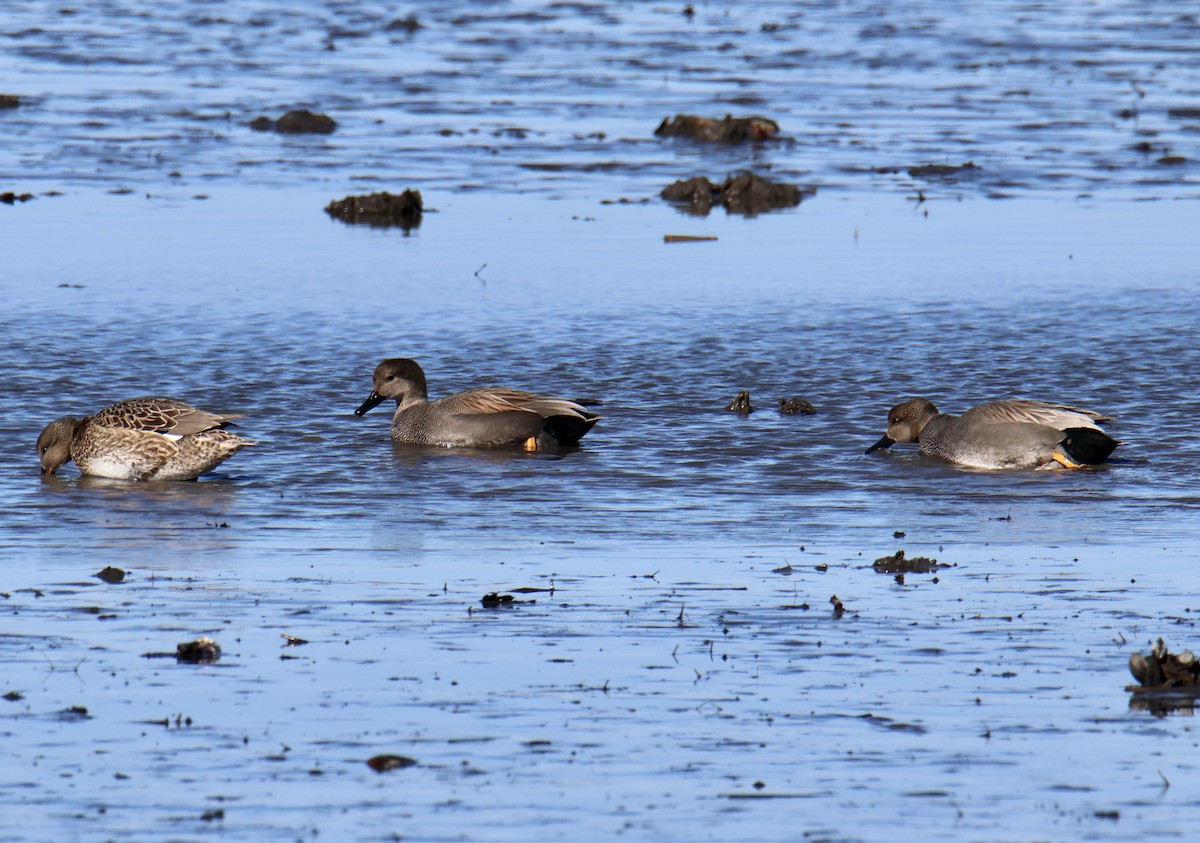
728	129
379	209
299	121
744	193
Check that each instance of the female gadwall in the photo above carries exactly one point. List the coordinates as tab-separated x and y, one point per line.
1003	434
478	418
141	439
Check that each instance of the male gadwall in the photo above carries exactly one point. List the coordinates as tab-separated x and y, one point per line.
141	439
1002	434
478	418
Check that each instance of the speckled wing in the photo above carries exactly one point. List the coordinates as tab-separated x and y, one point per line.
121	452
160	415
1025	411
489	400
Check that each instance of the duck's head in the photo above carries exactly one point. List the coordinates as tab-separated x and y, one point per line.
54	443
905	422
398	378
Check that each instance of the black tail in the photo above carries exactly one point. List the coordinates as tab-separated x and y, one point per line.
1088	446
568	430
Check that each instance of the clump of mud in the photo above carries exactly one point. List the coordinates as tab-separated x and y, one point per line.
943	172
297	122
201	651
744	193
796	407
379	209
898	563
728	129
408	24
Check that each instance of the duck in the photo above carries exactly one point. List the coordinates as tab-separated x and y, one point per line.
149	438
486	417
1017	433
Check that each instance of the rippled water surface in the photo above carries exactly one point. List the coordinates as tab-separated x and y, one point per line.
672	666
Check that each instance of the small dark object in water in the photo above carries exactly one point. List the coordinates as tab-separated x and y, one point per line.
9	101
744	193
291	640
898	564
214	814
899	534
384	763
493	600
202	650
379	209
728	129
741	404
839	608
14	696
1185	113
945	172
10	198
1159	670
299	121
111	575
796	406
408	24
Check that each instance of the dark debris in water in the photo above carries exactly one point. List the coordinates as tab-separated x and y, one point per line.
743	193
10	101
943	172
898	563
741	404
386	763
495	600
380	210
728	129
110	575
74	714
796	407
407	24
296	122
10	198
201	651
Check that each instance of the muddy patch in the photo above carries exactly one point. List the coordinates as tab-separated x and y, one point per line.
747	194
898	563
796	407
296	122
728	129
380	210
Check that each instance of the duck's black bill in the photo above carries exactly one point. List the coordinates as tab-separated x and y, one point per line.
373	401
885	442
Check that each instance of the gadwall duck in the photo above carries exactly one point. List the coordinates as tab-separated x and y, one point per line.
478	418
141	439
1002	434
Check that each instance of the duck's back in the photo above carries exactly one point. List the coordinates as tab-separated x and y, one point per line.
977	442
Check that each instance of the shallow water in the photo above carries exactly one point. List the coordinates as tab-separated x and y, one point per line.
685	676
